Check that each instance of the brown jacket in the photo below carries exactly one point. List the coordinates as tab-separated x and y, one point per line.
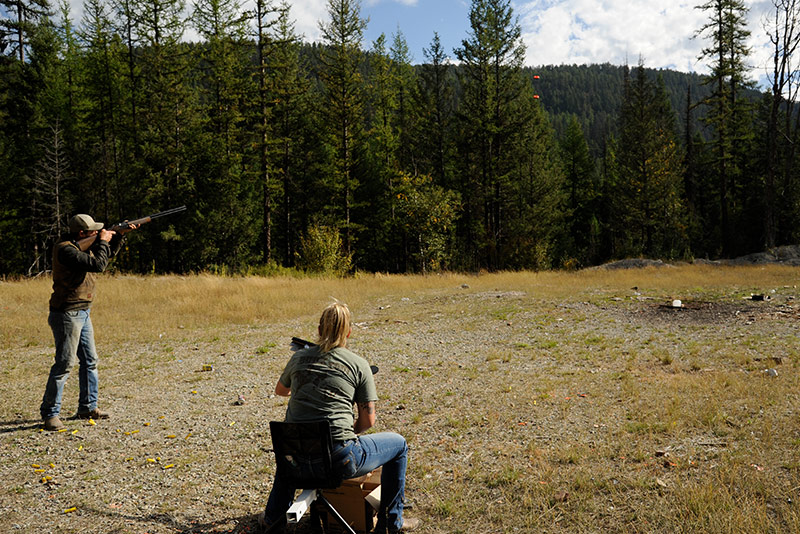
73	272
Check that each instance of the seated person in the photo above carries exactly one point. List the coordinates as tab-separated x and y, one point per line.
324	381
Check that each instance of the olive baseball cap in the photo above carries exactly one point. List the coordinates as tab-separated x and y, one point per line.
82	221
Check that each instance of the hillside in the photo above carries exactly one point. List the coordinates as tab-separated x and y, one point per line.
594	94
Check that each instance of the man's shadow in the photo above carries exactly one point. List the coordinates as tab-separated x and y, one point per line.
18	425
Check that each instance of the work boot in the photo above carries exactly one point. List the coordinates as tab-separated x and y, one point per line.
54	424
92	414
409	523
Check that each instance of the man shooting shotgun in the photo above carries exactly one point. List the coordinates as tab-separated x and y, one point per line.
125	226
86	250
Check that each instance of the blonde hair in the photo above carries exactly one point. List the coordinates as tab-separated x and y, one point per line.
334	327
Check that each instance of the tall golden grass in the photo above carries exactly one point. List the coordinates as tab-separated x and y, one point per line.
149	305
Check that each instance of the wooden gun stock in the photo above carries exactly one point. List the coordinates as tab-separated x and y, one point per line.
87	242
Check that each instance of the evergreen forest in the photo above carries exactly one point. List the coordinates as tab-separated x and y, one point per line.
342	155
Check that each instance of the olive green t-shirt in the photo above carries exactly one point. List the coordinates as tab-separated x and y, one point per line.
325	386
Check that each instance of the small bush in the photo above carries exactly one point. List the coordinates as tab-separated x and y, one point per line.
321	251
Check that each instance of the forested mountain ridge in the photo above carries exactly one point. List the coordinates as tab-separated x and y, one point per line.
593	93
343	155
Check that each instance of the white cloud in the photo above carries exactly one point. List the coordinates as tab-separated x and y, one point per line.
307	14
571	31
619	31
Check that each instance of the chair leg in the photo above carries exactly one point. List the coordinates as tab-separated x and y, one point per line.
339	519
318	519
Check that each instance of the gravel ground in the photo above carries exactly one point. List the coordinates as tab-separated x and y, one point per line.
477	382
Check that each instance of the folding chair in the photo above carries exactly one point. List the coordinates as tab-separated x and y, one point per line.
303	453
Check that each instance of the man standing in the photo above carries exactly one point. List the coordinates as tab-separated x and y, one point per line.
73	291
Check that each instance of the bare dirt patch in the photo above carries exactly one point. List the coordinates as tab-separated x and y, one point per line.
711	313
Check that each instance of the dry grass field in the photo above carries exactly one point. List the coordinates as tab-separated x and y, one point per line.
549	402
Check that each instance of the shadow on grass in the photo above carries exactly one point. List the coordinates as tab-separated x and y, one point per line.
18	425
246	524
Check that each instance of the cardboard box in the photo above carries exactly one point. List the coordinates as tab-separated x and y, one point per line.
357	500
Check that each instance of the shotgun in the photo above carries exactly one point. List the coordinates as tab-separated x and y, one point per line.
87	242
299	343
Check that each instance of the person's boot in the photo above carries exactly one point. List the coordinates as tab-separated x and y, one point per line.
54	424
92	414
409	524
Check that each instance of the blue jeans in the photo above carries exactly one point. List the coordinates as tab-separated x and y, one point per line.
353	459
74	336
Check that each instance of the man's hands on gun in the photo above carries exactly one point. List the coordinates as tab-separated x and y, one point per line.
106	235
127	227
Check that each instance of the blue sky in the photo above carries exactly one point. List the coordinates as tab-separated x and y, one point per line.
418	21
554	31
557	31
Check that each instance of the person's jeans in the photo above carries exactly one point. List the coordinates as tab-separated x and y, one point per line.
353	459
74	336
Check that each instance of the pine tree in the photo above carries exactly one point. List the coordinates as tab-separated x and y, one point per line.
166	127
382	98
381	163
536	210
48	95
127	25
728	112
24	27
16	31
295	134
405	114
264	21
435	104
582	192
649	215
496	115
225	192
343	85
101	61
222	25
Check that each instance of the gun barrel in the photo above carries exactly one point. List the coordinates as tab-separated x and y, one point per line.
167	212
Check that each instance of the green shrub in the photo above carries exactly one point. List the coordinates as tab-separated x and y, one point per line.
321	251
